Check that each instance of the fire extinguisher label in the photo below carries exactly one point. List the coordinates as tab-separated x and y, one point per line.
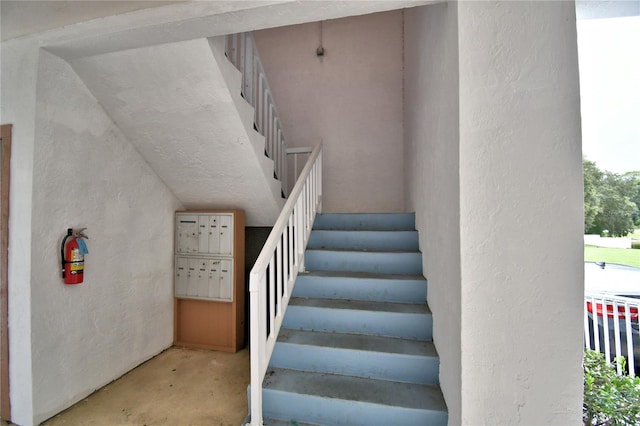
77	262
75	267
76	256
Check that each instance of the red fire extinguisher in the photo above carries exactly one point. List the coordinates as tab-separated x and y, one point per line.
73	250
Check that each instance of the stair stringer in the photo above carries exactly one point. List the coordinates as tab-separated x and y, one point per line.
233	77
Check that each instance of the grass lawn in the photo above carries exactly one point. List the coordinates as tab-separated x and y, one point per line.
612	255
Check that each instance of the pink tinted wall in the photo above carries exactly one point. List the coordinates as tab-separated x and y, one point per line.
350	99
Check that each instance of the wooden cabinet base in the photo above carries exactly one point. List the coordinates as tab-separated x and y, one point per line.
208	325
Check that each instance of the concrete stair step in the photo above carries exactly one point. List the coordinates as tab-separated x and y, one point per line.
383	358
355	345
401	320
384	262
364	240
291	422
361	286
366	221
329	399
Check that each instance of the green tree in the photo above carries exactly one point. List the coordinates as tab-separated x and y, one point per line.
634	178
592	178
609	201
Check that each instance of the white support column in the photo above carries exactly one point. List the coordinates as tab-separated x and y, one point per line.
520	213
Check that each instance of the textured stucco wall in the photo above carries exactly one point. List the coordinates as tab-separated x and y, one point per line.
174	105
351	100
520	213
18	95
87	174
432	182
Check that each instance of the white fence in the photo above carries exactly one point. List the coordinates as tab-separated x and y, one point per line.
611	327
597	240
274	274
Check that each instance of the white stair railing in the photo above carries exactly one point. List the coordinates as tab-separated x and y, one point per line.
241	51
274	274
611	326
294	153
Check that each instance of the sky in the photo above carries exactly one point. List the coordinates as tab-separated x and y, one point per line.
609	57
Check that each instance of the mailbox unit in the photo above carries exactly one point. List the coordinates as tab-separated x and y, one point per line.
209	279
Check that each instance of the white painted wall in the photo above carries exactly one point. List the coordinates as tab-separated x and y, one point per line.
351	100
173	103
520	213
432	176
18	103
20	18
87	174
493	170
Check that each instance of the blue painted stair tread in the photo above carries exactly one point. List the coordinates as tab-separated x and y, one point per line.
356	346
385	262
358	342
408	321
364	240
385	358
331	399
291	422
362	286
366	221
362	305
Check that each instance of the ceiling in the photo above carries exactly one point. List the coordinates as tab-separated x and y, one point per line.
19	18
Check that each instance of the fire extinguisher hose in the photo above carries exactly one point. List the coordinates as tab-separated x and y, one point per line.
64	241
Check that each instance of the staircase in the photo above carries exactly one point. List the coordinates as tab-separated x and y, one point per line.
355	345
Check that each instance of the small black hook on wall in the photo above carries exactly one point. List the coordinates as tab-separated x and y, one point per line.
320	50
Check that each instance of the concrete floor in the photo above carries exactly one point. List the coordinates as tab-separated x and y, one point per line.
177	387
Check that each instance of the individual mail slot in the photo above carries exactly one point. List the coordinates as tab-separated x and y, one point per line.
195	276
214	234
226	283
203	234
203	279
182	266
226	234
214	279
187	233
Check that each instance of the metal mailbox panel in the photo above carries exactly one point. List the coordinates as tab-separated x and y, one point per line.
214	234
203	234
187	234
182	266
193	277
226	279
204	246
214	279
203	278
226	234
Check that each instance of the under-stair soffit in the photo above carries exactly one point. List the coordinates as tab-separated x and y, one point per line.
172	102
194	20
